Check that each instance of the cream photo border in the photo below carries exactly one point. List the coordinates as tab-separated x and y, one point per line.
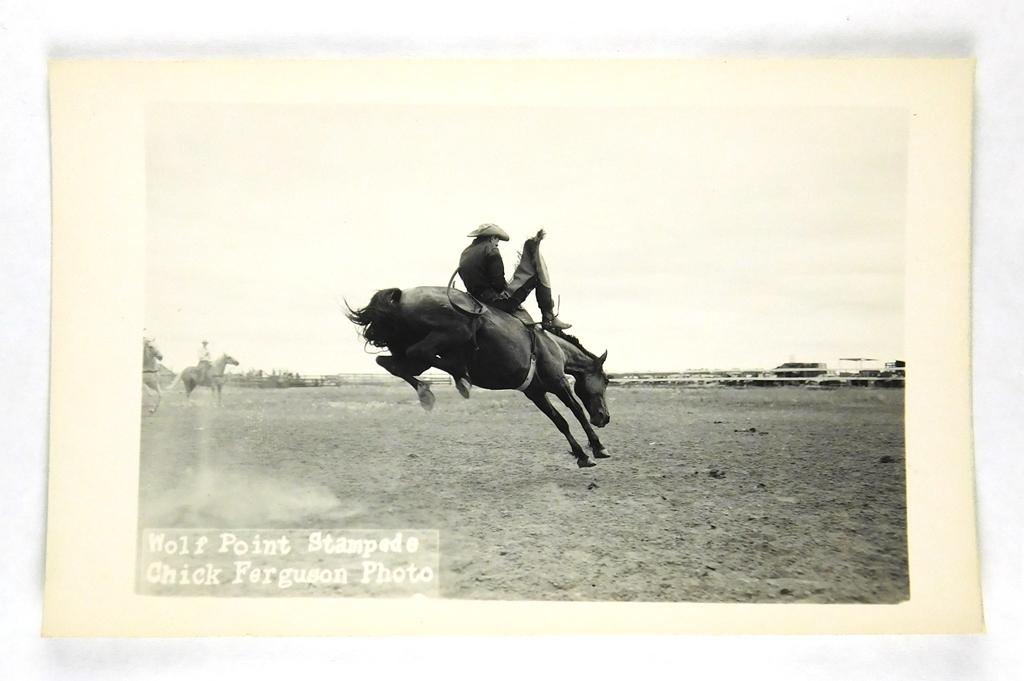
99	216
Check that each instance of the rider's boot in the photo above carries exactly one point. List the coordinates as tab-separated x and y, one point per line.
530	248
553	323
548	319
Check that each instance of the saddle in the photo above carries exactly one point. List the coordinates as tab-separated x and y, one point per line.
203	371
522	315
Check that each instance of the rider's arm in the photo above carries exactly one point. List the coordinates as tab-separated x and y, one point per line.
495	268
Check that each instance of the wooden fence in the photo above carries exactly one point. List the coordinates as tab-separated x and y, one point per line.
765	378
324	380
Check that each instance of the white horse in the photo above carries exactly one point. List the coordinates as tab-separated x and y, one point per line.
213	379
150	370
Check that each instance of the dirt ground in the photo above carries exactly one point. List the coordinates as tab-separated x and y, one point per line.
712	494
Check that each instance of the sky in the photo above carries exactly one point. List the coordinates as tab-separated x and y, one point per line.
678	238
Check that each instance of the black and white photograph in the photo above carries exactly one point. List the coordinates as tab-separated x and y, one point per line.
598	353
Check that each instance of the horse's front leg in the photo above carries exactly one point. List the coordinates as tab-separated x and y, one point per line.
446	351
539	398
217	390
408	371
148	389
564	393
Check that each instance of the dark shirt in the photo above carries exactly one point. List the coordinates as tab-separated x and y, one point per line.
482	270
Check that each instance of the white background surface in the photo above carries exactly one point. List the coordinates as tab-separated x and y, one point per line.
31	32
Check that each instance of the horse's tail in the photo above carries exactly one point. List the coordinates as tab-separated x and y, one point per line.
176	381
381	319
472	314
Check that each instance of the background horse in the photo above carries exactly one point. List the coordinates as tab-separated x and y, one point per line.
193	377
150	370
424	327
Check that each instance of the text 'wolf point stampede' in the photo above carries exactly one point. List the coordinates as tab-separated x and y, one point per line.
311	562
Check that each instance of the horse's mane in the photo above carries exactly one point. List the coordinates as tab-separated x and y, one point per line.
382	323
573	340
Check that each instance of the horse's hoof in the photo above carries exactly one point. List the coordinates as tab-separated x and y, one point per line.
463	386
602	454
584	462
427	398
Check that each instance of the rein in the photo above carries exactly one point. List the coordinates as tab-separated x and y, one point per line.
223	370
451	301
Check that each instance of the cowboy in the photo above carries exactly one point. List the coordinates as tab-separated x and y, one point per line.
483	272
204	361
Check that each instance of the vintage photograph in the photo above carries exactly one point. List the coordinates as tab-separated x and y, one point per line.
533	352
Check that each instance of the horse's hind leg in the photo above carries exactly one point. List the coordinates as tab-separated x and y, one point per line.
407	370
447	351
457	361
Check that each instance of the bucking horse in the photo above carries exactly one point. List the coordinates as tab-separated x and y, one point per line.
431	326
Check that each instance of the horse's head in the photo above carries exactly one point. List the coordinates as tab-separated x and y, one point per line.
151	349
228	359
590	386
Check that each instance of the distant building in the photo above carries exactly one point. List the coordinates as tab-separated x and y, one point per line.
800	370
894	372
897	368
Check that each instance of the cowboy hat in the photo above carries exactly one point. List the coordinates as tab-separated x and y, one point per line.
488	229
